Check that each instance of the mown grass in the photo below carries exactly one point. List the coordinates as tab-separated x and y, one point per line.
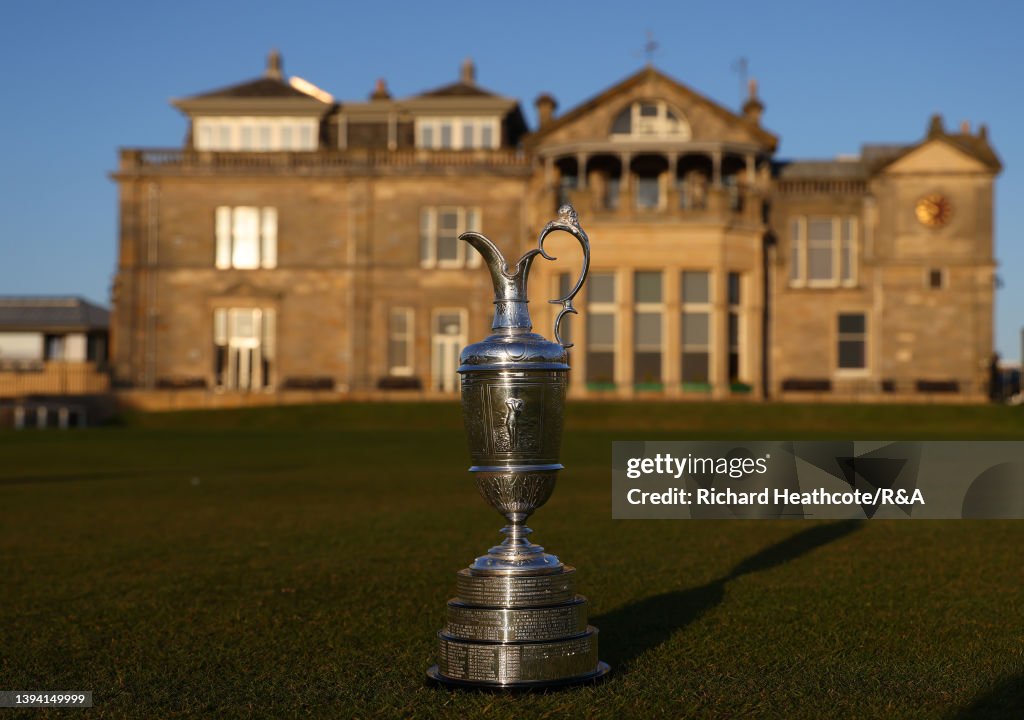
295	562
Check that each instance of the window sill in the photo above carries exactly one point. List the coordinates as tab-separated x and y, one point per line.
701	387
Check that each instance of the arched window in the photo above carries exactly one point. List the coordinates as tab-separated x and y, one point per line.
650	119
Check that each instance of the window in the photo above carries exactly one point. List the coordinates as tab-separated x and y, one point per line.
566	184
264	134
647	324
648	192
734	327
823	251
936	279
612	189
457	133
696	327
601	331
440	228
243	348
400	338
246	237
650	119
852	354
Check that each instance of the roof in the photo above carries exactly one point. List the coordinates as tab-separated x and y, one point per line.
272	92
760	133
459	89
262	87
46	313
976	146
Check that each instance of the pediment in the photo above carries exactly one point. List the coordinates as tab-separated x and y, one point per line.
933	156
701	119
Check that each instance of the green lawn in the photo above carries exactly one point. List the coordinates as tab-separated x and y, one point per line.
294	562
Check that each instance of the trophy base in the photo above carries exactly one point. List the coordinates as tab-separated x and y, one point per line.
597	676
517	632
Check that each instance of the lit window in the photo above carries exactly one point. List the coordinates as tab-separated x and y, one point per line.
823	251
440	228
246	237
243	348
262	134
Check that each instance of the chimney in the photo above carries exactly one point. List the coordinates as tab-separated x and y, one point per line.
380	90
935	128
983	135
274	70
965	127
468	74
546	106
753	108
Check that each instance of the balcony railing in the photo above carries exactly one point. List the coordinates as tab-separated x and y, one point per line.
172	161
51	378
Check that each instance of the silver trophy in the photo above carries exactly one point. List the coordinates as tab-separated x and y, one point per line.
516	621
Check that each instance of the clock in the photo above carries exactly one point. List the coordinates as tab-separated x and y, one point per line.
933	210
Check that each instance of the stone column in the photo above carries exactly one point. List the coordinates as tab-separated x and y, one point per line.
671	191
719	371
624	338
671	346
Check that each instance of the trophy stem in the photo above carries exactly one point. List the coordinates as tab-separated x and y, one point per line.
516	554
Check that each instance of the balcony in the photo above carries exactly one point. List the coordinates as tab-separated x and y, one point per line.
356	161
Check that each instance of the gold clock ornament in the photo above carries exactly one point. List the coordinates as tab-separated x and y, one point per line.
933	210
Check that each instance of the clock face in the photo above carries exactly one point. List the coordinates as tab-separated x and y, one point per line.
933	210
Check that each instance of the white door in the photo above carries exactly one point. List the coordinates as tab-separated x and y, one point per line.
449	336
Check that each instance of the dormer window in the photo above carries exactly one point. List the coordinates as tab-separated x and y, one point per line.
650	119
457	133
255	134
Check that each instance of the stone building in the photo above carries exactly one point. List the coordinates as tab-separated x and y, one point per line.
299	243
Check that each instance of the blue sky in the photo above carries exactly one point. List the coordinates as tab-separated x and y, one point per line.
83	79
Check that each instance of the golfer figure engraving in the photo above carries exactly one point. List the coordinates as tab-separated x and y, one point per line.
513	408
516	621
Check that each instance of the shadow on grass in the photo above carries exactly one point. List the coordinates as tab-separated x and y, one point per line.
1005	699
633	629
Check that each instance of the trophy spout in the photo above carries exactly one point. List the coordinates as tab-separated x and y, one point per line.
511	315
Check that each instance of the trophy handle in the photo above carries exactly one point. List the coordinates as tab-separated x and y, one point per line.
567	221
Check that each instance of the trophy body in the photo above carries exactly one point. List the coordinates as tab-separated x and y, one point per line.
516	621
